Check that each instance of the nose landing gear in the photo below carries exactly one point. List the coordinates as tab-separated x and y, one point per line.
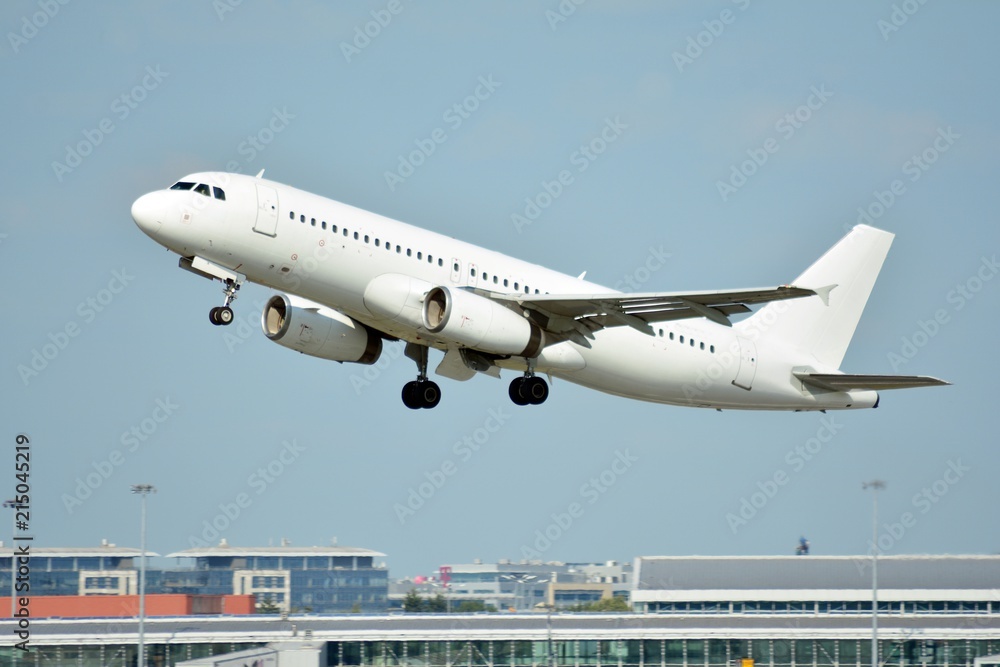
223	315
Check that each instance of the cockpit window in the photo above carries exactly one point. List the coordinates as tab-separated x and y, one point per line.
202	189
219	194
182	185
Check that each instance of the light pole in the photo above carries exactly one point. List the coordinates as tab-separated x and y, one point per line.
875	485
13	561
522	579
143	490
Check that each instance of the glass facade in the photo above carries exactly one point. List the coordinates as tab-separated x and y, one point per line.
775	652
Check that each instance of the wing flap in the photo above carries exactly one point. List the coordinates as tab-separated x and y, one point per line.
851	382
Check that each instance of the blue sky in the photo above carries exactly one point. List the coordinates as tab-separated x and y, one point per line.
751	136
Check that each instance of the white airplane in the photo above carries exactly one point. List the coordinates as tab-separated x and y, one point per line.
351	279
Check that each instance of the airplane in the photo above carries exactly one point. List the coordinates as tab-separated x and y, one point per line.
349	279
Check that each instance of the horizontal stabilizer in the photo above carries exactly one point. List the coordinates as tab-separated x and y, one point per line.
844	382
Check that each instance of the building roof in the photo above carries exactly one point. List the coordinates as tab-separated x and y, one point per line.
238	552
730	573
78	552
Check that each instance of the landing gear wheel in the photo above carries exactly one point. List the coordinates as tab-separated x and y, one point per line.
535	390
220	315
429	393
410	395
515	391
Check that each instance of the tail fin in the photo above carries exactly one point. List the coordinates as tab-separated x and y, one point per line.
843	277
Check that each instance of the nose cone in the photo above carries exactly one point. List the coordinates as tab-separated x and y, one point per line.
147	211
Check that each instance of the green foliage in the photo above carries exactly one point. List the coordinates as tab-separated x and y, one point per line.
413	602
605	604
268	606
470	606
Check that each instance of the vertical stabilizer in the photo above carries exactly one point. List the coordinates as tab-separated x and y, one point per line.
823	325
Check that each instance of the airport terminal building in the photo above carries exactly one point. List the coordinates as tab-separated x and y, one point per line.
939	611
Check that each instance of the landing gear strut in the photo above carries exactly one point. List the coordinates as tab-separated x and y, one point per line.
223	315
420	393
529	389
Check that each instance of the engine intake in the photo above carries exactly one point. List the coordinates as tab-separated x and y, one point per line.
479	323
319	332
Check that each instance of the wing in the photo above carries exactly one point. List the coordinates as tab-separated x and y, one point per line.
844	382
577	316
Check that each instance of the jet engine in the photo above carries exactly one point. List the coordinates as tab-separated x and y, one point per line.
319	331
479	323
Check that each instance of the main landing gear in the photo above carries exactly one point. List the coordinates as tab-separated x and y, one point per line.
223	315
529	389
420	393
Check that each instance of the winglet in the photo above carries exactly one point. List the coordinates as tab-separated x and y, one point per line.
259	173
824	293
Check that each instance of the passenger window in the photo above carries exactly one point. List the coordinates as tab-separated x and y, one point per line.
504	282
420	255
408	253
711	348
399	250
692	342
291	215
302	218
495	281
324	224
702	345
527	290
472	272
682	340
486	276
516	286
182	185
202	189
345	231
313	222
376	244
441	263
366	238
355	236
333	228
219	194
454	267
671	335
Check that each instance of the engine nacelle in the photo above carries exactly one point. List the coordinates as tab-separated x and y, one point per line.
319	331
479	323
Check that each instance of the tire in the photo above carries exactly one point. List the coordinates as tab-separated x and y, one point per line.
430	394
536	390
213	316
224	315
516	391
409	394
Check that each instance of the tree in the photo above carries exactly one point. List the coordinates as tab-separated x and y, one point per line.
268	606
604	604
413	602
356	608
468	606
436	604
